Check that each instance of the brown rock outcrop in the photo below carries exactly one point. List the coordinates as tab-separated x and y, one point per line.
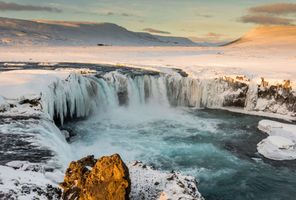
91	179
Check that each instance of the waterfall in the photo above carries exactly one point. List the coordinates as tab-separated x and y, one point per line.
80	96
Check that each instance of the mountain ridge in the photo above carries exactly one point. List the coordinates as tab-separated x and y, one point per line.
45	32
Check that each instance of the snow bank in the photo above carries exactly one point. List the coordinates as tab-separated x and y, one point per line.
281	142
32	136
147	183
24	181
19	83
32	155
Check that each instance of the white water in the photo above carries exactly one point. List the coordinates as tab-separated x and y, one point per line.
192	142
135	116
80	96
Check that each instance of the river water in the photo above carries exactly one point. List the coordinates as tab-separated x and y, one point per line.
216	147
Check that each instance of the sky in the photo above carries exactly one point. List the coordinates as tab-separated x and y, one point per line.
212	20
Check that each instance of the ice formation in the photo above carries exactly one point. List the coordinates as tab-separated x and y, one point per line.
281	142
74	96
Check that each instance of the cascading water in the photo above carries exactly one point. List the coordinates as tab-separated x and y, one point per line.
140	117
78	96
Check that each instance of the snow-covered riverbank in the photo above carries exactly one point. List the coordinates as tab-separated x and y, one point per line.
281	141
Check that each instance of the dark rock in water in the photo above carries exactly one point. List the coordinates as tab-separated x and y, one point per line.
91	179
122	98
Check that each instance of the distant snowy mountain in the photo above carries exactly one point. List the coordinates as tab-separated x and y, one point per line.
268	35
41	32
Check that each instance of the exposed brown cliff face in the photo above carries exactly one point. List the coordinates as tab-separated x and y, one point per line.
91	179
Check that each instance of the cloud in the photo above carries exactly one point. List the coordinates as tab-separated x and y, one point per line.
126	14
277	8
271	14
152	30
19	7
210	37
110	13
204	15
214	35
265	19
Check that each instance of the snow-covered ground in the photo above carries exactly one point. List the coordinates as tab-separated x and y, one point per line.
203	61
23	180
19	83
161	185
281	142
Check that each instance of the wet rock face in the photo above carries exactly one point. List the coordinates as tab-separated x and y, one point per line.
32	102
122	98
91	179
238	92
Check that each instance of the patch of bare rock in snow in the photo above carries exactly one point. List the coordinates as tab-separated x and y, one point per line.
281	142
148	183
24	180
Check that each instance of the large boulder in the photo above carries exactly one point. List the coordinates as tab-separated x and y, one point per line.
91	179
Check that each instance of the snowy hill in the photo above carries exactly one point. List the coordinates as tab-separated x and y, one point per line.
25	33
268	35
